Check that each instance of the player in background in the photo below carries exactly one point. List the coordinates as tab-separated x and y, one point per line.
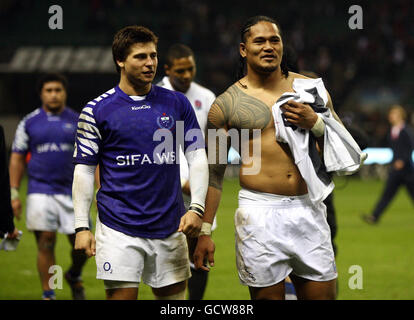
130	131
180	70
48	133
401	140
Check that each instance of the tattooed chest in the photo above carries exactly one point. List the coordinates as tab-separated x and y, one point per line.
250	115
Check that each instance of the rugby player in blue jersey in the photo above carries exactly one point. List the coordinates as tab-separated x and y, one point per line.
48	134
133	132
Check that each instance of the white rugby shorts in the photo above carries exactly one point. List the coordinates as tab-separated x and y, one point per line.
50	212
121	258
278	235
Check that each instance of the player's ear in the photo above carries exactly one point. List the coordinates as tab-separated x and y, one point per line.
120	64
242	49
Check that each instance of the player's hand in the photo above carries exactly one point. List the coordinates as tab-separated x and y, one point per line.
17	208
299	114
205	248
85	240
190	224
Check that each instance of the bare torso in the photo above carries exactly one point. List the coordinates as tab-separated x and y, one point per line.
253	110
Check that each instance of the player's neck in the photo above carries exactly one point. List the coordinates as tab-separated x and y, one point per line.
133	89
255	80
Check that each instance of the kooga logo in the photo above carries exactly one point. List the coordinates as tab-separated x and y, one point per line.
141	107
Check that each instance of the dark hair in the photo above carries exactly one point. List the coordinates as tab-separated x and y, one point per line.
245	29
177	51
128	36
50	77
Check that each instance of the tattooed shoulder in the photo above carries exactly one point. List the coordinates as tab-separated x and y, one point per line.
243	111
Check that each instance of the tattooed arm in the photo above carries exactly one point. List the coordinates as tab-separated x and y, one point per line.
218	146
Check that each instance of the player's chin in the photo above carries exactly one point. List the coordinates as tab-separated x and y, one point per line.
144	80
148	76
183	87
268	68
53	106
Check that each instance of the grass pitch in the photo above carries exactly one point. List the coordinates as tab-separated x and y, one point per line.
384	253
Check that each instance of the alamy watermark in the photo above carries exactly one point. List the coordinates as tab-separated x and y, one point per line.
56	20
56	280
357	278
247	142
356	20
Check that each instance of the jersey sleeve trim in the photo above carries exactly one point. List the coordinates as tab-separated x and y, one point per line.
88	136
21	139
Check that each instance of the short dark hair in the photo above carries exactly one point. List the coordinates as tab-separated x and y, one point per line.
245	29
128	36
51	77
177	51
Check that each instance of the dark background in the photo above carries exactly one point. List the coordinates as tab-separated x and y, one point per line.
365	71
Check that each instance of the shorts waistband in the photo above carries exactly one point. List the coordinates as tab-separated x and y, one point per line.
248	198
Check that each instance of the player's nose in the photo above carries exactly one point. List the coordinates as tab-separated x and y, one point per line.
267	46
150	62
186	76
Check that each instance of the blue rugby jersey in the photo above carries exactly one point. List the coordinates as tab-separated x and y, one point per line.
50	139
140	192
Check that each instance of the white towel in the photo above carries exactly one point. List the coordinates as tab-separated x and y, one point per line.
341	153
